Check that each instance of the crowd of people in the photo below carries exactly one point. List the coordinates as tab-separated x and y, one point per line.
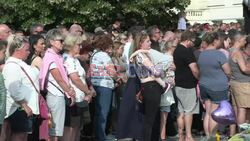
138	84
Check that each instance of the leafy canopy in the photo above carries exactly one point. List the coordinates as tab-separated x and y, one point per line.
90	13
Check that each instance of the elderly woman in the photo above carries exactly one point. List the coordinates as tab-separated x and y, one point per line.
214	77
240	76
54	78
22	97
77	75
103	77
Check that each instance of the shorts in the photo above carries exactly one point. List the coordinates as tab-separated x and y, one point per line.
165	109
187	100
241	94
19	122
214	96
56	106
73	116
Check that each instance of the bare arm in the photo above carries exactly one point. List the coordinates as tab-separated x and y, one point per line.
78	83
57	76
147	63
241	62
226	68
194	68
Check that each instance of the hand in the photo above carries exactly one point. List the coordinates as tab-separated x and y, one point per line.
93	92
71	92
88	98
73	101
139	97
27	110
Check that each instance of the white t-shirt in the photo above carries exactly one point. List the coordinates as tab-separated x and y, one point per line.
50	87
73	66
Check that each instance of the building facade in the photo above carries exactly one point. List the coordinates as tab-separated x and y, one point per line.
214	11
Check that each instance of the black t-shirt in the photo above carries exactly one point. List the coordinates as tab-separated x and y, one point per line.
183	75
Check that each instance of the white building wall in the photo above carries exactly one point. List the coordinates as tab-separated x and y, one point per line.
203	11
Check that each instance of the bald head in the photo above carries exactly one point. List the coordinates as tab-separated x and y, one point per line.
76	29
5	31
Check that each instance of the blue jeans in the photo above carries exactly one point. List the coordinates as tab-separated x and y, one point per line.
102	107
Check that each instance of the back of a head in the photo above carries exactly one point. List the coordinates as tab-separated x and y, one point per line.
210	37
234	36
187	35
102	42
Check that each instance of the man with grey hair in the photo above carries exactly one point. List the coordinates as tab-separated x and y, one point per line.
76	29
155	35
5	31
36	29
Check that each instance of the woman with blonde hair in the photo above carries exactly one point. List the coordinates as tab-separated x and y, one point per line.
151	89
22	97
77	76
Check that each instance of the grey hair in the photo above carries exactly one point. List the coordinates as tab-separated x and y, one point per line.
52	35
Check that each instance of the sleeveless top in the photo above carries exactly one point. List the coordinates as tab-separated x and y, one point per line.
237	74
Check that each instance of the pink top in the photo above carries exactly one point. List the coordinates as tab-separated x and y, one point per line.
52	57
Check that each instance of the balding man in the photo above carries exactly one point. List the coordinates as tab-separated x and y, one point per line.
76	29
5	31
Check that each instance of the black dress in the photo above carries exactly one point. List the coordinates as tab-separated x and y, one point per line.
130	117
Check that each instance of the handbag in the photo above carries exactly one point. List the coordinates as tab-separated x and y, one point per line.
43	107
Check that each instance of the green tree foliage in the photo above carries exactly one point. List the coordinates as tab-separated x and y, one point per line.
90	13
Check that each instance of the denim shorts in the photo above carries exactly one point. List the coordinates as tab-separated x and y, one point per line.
215	96
19	122
165	109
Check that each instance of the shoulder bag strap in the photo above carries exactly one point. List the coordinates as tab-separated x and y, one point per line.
27	76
